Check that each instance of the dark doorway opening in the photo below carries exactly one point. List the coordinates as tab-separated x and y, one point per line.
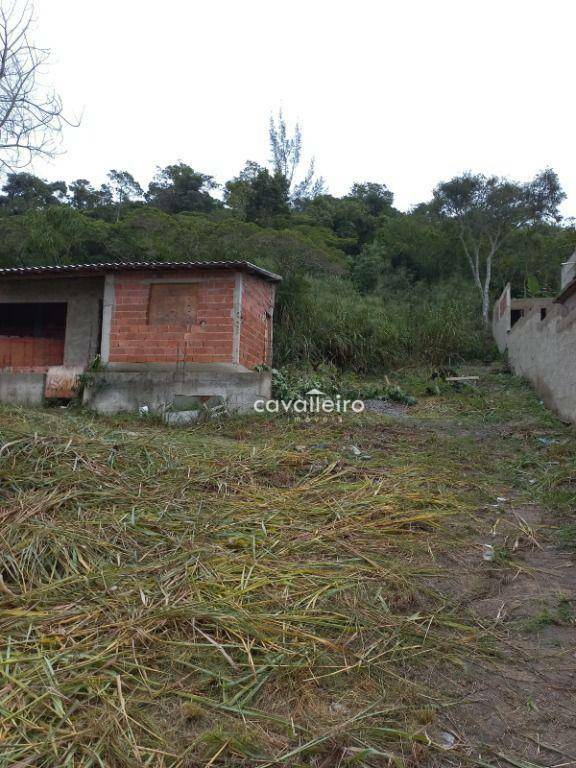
36	320
515	315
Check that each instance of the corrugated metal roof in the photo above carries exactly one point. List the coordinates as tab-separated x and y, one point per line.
126	266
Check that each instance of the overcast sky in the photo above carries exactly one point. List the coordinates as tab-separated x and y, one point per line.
406	92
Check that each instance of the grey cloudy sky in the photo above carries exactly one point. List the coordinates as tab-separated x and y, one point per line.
406	92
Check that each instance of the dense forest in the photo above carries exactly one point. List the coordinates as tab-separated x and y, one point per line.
365	285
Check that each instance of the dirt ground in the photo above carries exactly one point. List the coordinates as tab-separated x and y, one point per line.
520	707
523	704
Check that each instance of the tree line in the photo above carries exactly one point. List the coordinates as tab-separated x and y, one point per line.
488	229
365	284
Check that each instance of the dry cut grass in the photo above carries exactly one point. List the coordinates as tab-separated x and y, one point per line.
244	594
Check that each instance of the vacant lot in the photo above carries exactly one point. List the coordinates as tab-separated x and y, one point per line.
273	592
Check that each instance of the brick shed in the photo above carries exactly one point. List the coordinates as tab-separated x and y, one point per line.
161	333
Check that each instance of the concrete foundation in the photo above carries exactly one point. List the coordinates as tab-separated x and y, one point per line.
22	388
115	389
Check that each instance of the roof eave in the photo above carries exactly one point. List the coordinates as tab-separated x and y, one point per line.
105	268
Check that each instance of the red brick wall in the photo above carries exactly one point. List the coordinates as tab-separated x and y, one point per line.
24	353
256	334
208	340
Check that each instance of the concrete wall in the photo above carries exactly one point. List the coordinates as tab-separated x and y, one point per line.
501	318
544	352
156	386
81	294
22	388
570	302
503	322
568	272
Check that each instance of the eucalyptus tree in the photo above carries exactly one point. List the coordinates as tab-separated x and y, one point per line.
286	159
487	210
123	189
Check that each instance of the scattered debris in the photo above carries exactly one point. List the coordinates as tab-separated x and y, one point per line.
354	451
180	418
447	379
446	740
547	440
488	552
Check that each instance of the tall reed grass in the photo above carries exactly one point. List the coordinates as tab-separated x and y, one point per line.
329	321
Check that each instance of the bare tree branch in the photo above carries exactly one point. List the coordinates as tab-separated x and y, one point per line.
31	115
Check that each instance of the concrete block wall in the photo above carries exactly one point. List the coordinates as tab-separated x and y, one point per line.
570	302
24	388
541	349
568	272
544	352
502	321
501	318
256	328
